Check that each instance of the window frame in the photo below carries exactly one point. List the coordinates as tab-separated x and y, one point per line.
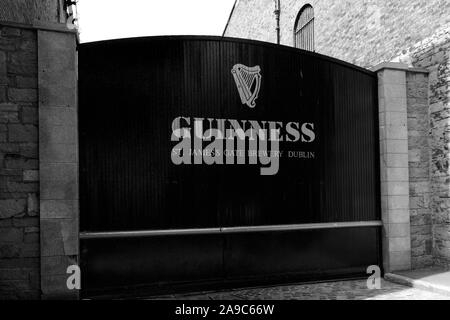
303	35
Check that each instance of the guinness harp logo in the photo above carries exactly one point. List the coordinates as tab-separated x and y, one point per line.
248	81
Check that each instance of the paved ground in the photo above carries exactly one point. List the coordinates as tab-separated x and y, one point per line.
339	290
433	276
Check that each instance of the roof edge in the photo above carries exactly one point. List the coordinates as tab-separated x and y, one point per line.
229	17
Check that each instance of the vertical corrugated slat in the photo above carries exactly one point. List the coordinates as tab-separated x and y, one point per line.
117	166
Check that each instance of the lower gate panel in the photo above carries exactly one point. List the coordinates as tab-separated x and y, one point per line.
155	265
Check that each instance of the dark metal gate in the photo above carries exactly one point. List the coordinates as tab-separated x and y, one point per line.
149	222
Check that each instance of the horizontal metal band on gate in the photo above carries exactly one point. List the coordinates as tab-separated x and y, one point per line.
177	232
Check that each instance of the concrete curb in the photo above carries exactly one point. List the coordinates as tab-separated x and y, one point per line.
419	284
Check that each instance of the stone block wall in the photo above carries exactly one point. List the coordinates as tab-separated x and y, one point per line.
363	32
433	54
31	11
38	150
419	169
19	174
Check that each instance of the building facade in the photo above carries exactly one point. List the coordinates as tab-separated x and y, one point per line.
414	159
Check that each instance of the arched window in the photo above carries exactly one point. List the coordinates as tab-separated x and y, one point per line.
304	28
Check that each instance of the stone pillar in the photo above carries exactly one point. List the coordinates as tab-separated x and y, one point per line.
394	166
58	155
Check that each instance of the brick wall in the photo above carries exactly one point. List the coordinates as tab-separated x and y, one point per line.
38	228
19	187
363	32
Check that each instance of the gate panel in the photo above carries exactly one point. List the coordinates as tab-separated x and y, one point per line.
130	92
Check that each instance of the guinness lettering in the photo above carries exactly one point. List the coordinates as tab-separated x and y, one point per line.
227	140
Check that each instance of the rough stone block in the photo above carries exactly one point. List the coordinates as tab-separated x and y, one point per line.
29	150
26	222
418	188
420	219
9	107
9	117
30	175
419	202
23	63
32	263
414	155
14	273
31	229
3	70
10	250
24	82
30	115
32	205
22	95
12	207
10	32
14	235
30	248
22	133
19	162
25	187
32	238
